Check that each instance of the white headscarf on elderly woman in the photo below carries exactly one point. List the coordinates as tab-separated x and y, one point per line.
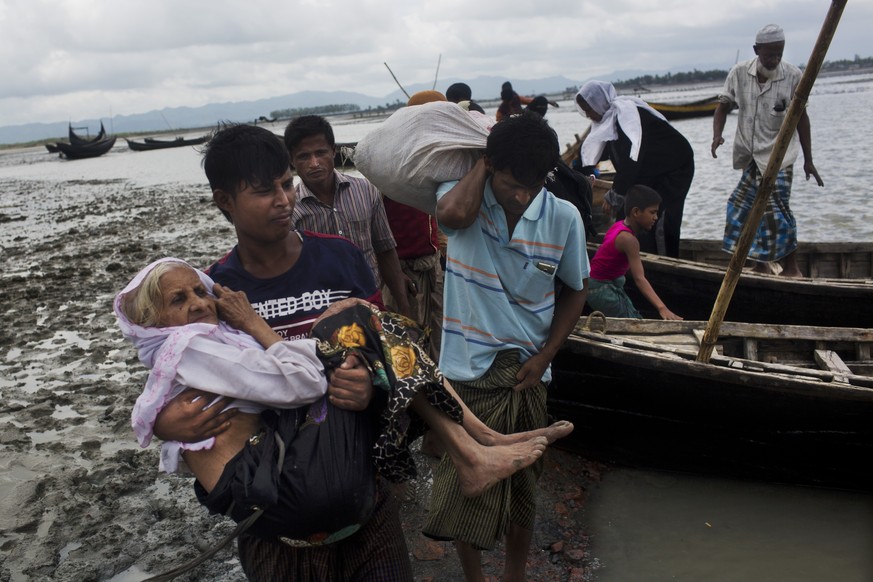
218	357
603	99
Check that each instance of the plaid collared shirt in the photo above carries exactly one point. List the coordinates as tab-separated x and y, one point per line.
762	108
357	214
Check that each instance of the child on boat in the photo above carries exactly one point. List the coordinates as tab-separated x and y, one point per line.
288	440
619	253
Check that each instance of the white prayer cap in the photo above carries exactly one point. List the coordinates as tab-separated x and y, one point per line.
770	33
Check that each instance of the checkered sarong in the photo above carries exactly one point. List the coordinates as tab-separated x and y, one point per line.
610	298
482	521
776	236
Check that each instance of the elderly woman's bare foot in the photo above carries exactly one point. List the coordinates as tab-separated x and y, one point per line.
479	468
553	432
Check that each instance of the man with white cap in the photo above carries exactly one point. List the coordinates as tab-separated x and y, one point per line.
762	89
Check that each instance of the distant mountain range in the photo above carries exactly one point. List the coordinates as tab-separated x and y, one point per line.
182	118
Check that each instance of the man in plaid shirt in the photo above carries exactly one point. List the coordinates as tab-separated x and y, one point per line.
762	89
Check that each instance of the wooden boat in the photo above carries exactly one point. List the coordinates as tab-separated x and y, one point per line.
689	288
52	148
834	260
151	143
686	109
87	150
790	403
76	139
601	186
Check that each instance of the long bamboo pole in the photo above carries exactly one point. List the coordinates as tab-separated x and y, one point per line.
395	79
437	75
783	139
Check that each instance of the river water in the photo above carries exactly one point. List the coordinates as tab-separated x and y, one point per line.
643	524
839	109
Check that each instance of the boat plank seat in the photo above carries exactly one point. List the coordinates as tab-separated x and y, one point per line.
830	360
801	332
698	335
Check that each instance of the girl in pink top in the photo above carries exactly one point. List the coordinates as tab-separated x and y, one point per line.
620	252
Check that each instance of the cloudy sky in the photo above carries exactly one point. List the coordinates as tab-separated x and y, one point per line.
77	59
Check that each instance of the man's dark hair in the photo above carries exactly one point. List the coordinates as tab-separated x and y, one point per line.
238	156
642	197
539	105
458	92
524	144
305	126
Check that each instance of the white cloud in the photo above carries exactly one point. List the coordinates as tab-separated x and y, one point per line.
74	59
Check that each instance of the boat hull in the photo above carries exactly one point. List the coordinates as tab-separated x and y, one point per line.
651	408
690	288
88	150
156	144
686	110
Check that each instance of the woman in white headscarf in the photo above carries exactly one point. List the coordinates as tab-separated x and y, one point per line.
645	149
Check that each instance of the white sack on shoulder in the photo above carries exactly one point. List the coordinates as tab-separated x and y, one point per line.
419	147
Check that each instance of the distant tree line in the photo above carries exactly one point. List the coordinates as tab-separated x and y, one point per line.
382	109
335	109
716	75
695	76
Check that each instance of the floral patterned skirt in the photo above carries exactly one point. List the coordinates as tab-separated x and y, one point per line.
399	367
310	473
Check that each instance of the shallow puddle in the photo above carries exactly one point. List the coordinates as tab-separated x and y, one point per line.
653	526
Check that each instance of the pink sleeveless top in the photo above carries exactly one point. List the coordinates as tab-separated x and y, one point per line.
610	263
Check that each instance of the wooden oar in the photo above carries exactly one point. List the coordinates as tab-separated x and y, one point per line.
783	139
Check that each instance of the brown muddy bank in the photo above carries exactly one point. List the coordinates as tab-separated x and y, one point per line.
79	500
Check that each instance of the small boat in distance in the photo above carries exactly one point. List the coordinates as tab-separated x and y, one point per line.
151	143
76	139
76	146
91	149
686	109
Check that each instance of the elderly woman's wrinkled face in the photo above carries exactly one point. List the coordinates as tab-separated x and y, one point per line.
589	112
185	299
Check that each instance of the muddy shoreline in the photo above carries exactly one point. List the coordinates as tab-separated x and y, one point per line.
79	500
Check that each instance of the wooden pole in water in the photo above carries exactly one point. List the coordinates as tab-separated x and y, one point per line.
783	139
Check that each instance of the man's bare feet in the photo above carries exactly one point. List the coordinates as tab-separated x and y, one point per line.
479	468
553	432
762	268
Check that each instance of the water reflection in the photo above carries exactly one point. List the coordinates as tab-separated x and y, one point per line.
653	526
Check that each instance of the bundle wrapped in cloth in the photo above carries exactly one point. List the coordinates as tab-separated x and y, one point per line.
419	147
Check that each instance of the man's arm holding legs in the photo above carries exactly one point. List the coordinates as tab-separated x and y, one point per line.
568	308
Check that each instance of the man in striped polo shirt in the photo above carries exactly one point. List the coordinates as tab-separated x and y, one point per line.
514	288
